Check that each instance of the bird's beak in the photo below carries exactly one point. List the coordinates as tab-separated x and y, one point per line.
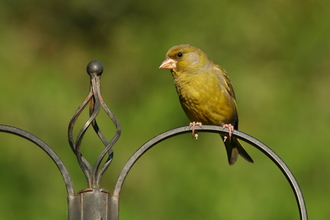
168	64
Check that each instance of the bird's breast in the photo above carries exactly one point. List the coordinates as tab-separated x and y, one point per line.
204	100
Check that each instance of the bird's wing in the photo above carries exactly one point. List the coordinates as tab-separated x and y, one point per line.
230	90
227	83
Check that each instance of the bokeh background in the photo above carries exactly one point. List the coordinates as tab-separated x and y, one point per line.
276	52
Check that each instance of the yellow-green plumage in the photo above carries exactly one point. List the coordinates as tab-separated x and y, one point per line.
205	92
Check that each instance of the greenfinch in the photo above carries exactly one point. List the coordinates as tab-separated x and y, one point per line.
205	93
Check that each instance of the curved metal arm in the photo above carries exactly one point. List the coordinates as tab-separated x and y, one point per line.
59	163
216	129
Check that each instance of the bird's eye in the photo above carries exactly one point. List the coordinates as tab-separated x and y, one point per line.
179	54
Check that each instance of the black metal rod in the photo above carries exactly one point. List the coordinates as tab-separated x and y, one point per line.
216	129
75	144
37	141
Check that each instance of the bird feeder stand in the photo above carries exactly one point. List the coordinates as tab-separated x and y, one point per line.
95	203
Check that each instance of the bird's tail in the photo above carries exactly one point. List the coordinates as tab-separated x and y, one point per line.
234	148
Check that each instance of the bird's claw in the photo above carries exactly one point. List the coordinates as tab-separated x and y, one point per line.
230	131
192	126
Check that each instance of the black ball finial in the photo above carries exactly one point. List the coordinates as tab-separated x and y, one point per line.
94	68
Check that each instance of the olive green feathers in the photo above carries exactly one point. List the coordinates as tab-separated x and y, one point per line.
205	93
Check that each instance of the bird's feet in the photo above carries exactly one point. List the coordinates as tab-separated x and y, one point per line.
192	126
230	131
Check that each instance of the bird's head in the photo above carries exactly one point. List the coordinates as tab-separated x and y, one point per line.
185	59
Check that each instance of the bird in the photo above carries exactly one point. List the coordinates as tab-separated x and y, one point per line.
206	94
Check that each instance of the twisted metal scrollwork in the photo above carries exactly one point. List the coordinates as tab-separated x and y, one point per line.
95	173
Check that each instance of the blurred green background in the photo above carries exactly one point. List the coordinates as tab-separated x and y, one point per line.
276	52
